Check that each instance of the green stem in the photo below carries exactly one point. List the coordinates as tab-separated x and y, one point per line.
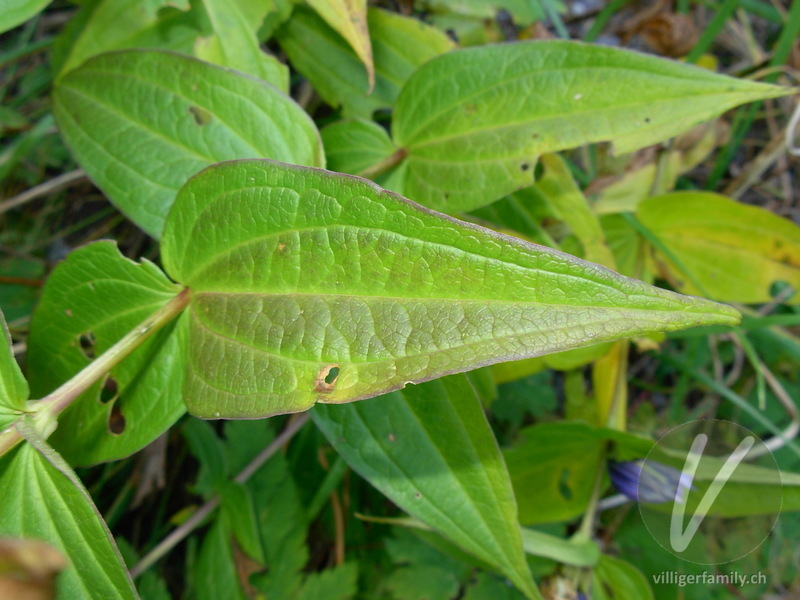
387	163
45	411
587	524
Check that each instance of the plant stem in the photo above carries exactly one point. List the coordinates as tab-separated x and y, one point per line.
387	163
193	522
45	411
587	524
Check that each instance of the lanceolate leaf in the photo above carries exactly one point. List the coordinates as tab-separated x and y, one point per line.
474	121
90	301
142	122
44	499
314	286
734	251
430	450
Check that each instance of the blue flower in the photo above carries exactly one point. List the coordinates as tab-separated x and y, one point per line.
649	481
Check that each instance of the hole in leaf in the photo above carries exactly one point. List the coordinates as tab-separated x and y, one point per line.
326	378
86	344
524	166
109	391
563	485
116	420
332	375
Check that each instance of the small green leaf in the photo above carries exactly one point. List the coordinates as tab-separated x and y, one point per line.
615	579
214	575
355	145
111	25
558	185
475	121
349	19
90	301
142	122
524	12
234	43
553	467
568	552
16	12
49	503
735	251
13	387
339	583
430	450
399	44
314	286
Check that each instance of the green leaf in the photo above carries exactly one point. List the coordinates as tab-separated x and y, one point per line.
237	506
13	387
49	503
338	583
349	19
615	579
214	575
475	121
430	450
569	552
355	145
315	286
234	43
142	122
90	301
558	185
553	467
524	12
16	12
399	45
733	250
126	24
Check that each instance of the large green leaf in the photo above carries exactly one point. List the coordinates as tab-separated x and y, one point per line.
734	251
142	122
90	301
15	12
475	121
44	499
399	45
13	387
430	450
314	286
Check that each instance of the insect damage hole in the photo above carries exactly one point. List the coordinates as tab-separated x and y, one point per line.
110	390
116	420
326	378
86	343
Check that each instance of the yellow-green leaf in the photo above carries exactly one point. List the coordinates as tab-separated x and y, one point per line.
734	251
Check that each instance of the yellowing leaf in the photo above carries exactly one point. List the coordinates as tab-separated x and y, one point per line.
735	251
